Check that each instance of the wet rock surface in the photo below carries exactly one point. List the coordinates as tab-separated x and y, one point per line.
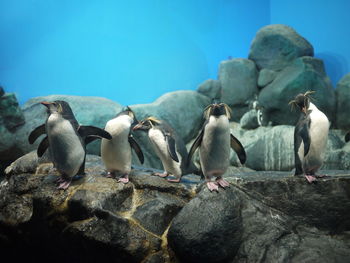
261	217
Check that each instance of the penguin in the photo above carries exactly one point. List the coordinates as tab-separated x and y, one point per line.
168	146
214	142
116	153
310	137
66	140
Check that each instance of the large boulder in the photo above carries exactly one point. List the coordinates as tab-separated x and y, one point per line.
272	148
276	46
301	75
210	88
11	115
94	111
262	217
343	103
183	110
208	228
238	79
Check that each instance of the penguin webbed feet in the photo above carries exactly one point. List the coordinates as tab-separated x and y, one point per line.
124	179
176	180
165	174
63	183
214	186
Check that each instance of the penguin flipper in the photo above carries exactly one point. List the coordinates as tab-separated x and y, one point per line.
85	131
303	131
238	148
171	145
136	148
347	136
36	133
44	144
197	142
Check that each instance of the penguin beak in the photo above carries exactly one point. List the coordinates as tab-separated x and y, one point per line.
45	103
137	127
303	109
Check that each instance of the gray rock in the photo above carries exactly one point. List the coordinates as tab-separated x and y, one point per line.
10	113
277	221
183	110
87	110
156	214
249	120
262	217
208	228
272	148
305	73
275	46
238	78
210	88
343	106
266	76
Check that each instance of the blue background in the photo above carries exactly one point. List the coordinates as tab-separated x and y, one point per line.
133	51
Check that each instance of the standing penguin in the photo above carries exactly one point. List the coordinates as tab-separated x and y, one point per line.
66	140
310	137
116	153
168	146
214	142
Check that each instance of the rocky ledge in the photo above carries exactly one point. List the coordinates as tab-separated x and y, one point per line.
261	217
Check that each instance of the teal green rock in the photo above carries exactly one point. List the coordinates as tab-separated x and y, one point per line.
275	46
343	103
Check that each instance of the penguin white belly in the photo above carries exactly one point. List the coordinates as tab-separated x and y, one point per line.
319	128
215	148
157	139
116	153
66	148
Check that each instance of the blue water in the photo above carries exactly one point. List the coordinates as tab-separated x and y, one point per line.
134	51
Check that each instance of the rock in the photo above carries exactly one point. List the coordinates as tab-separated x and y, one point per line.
283	216
10	113
273	151
238	78
262	217
276	46
210	88
156	214
183	110
343	107
249	120
272	148
266	76
208	228
87	110
305	73
2	92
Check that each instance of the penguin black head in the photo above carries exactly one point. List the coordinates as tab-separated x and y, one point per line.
217	110
146	124
58	106
129	112
302	101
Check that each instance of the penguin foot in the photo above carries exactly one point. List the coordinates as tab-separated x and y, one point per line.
177	180
165	174
124	180
223	183
63	184
310	178
213	186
